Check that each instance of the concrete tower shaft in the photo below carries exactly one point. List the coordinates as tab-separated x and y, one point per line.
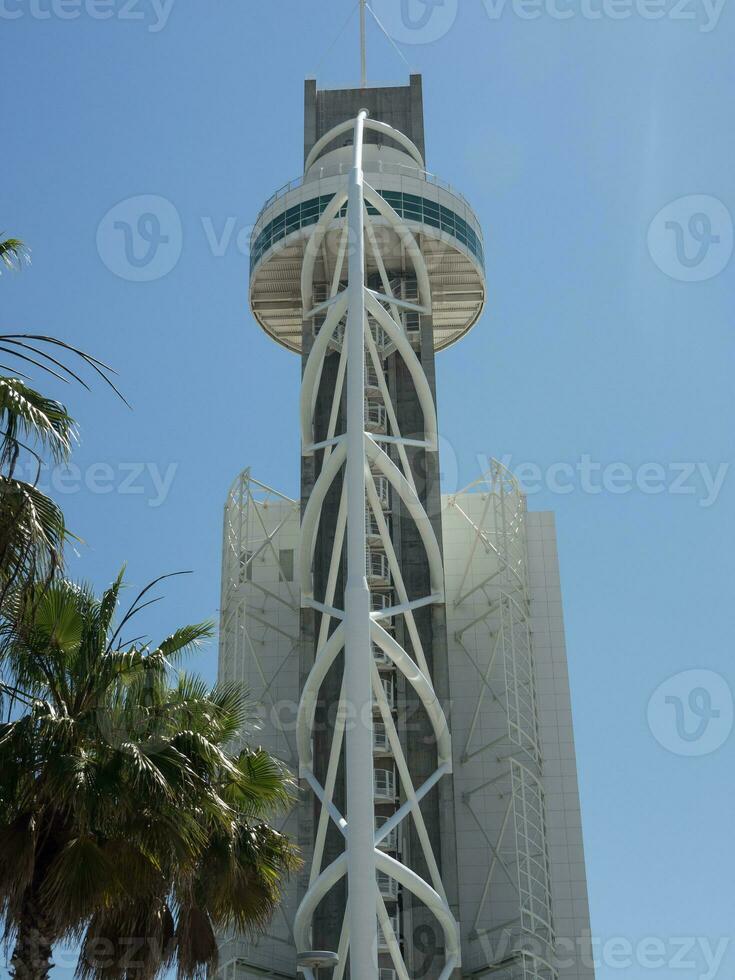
402	557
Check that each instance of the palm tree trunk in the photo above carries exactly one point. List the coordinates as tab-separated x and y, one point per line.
31	958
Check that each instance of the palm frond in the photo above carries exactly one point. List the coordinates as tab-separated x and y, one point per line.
32	538
185	640
196	944
81	875
26	414
19	342
13	253
108	603
137	605
128	942
59	619
263	783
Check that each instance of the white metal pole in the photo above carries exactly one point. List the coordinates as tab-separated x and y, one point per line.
363	45
362	889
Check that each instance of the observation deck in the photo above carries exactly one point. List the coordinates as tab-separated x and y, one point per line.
443	223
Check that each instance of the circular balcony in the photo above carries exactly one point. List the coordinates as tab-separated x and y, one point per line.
382	660
385	787
376	418
377	568
389	692
387	886
392	841
447	230
381	742
372	380
372	530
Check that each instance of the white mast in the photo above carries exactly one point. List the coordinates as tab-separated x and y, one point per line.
363	45
361	885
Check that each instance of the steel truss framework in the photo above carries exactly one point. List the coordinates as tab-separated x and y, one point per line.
253	612
259	645
500	764
364	325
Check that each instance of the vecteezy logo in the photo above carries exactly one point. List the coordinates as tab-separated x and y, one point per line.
691	239
416	21
691	713
140	239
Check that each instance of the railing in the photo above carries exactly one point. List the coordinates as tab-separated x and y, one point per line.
371	375
382	660
392	841
381	742
395	921
383	487
389	692
377	166
376	417
372	529
377	567
387	886
380	601
381	338
385	784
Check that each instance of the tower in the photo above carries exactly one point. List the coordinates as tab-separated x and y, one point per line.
374	604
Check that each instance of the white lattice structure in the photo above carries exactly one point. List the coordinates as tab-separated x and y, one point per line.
507	894
259	647
500	761
374	317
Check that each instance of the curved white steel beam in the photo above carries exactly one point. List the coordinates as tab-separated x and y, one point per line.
419	516
408	239
404	876
313	245
314	362
310	520
310	695
421	685
316	892
413	364
395	569
408	667
431	899
389	407
408	495
380	127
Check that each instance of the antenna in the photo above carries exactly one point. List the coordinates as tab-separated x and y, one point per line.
363	56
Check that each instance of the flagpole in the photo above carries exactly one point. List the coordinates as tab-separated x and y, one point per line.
363	45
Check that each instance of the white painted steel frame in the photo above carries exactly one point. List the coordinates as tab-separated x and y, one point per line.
498	645
361	886
259	641
358	455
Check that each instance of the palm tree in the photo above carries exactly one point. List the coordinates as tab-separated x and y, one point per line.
126	822
32	529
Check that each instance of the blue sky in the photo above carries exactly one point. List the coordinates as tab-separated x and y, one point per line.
605	357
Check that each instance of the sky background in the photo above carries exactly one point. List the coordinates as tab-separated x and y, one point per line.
569	135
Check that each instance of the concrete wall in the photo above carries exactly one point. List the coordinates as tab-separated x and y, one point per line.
563	817
486	809
400	106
